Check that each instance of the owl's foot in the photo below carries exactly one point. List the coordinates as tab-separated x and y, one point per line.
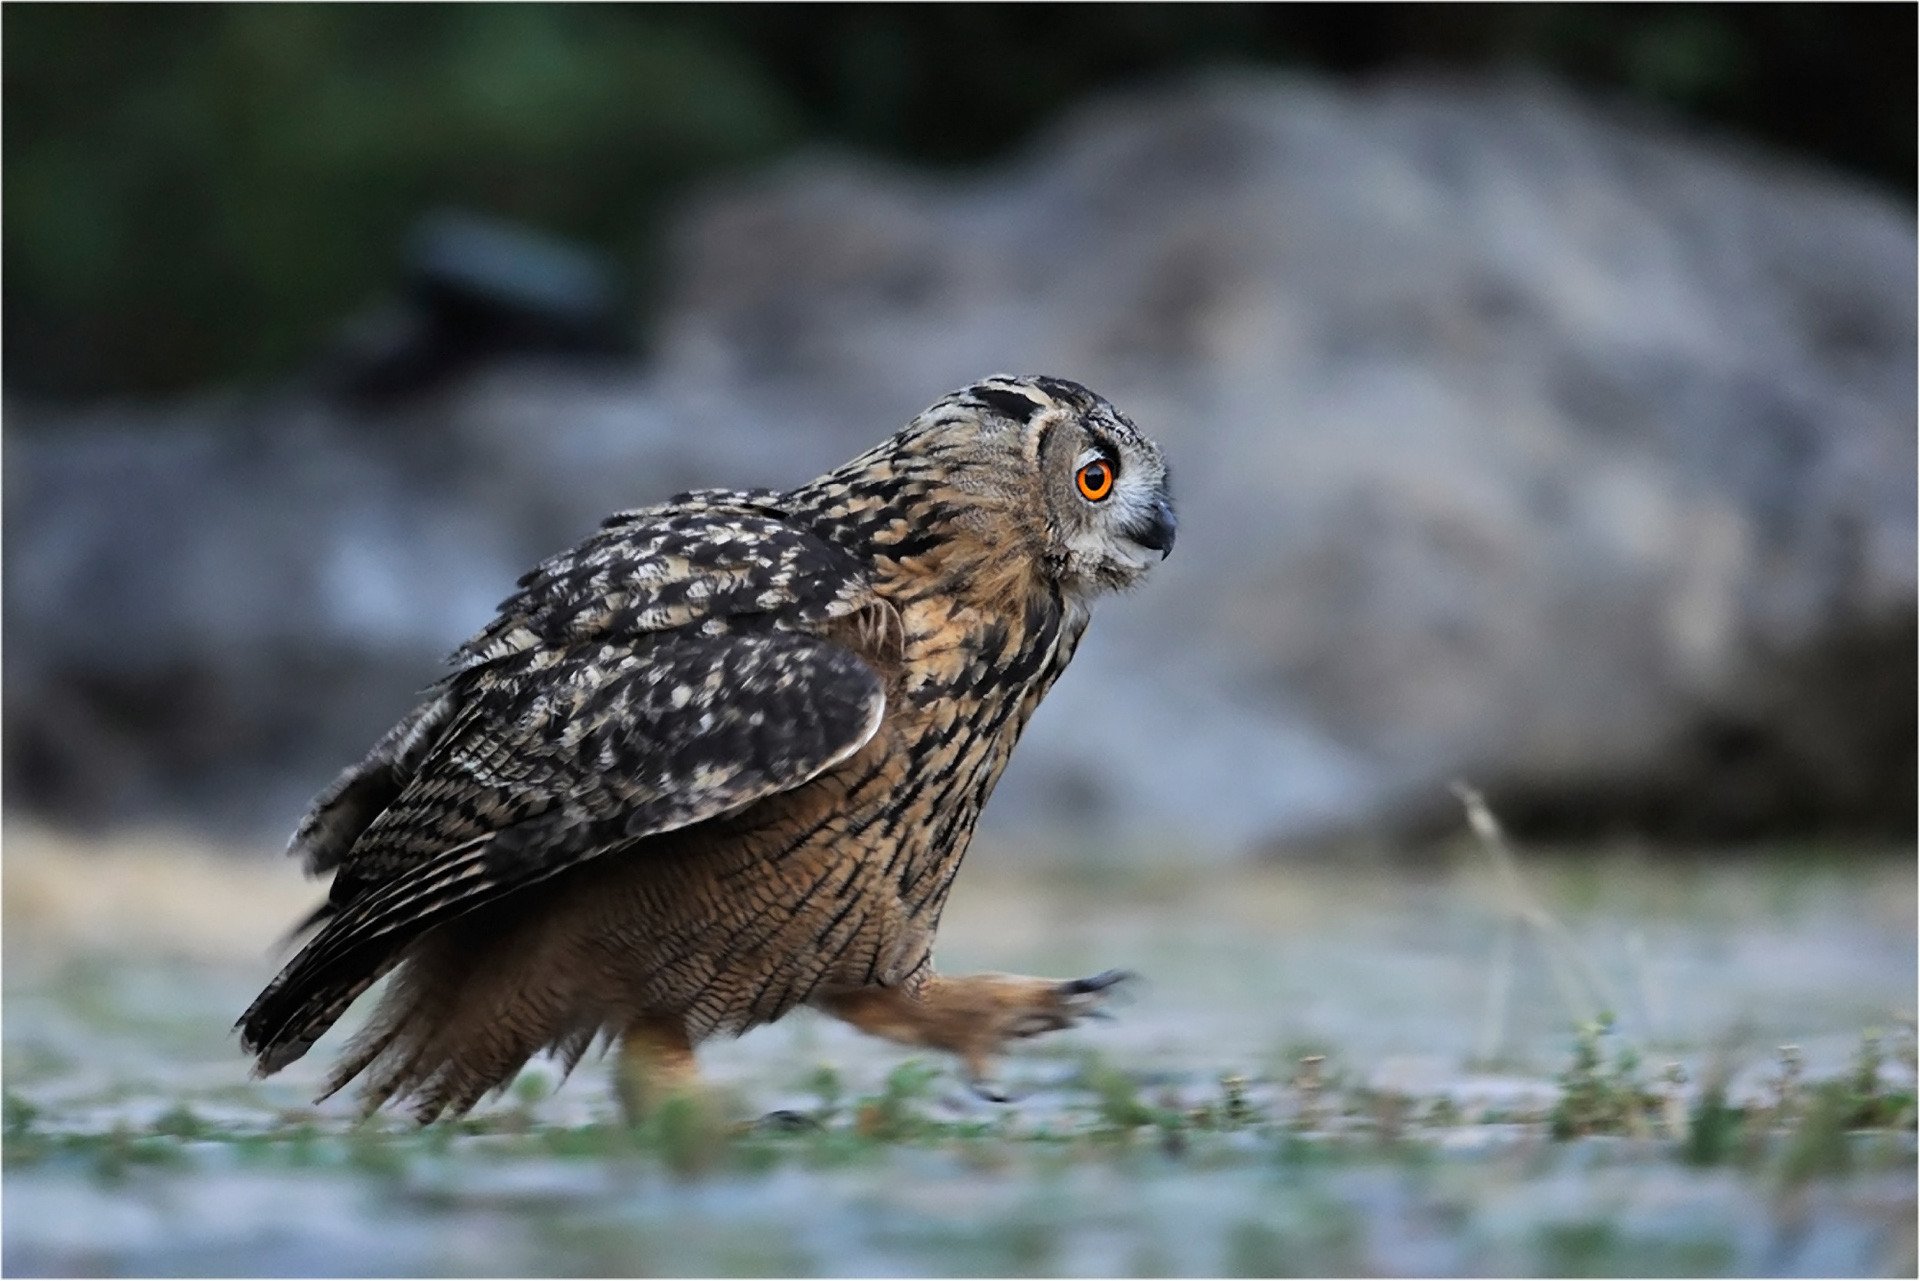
974	1016
656	1064
1048	1006
1064	1003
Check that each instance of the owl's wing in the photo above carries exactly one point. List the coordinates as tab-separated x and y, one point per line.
611	742
710	560
704	561
579	728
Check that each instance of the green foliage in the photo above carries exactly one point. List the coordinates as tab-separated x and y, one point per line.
1802	1132
196	190
122	1151
824	1082
895	1112
1871	1103
203	191
1120	1104
1233	1111
531	1086
1818	1146
1598	1096
689	1132
1600	1247
1609	1096
180	1122
1713	1126
19	1115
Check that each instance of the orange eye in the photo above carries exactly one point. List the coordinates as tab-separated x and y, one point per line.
1095	480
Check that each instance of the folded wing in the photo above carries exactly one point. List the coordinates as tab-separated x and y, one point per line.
670	670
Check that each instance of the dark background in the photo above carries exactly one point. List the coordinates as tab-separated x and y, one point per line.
200	192
1539	378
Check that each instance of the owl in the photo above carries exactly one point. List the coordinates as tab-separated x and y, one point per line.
720	760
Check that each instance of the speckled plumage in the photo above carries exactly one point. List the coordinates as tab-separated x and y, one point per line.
720	759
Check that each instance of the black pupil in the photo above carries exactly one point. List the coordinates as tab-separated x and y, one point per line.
1097	476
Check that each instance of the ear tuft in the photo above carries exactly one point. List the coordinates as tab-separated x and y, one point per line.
1015	405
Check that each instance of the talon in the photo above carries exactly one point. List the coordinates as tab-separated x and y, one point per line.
1048	1021
1086	998
787	1121
976	1068
1097	983
990	1091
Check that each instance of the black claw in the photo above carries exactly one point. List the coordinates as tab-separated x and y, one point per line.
786	1121
1097	983
989	1091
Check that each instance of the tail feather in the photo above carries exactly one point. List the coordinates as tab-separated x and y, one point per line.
341	813
467	1004
283	1023
311	921
314	989
573	1047
358	943
365	1049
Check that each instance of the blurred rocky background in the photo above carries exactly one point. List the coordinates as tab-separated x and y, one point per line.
1539	381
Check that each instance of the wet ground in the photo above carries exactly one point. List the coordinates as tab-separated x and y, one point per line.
1328	1070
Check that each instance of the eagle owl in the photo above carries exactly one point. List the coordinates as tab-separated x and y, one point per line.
722	759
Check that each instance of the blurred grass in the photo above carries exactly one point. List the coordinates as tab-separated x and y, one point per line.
1105	1183
1296	1090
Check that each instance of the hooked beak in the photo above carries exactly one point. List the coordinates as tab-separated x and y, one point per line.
1157	531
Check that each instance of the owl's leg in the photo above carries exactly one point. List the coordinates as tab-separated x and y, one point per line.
974	1015
656	1062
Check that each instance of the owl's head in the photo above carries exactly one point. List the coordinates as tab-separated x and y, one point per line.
1097	487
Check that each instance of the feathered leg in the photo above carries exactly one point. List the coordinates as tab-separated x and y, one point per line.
656	1062
972	1016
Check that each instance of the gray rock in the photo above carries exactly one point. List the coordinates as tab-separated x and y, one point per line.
1513	440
